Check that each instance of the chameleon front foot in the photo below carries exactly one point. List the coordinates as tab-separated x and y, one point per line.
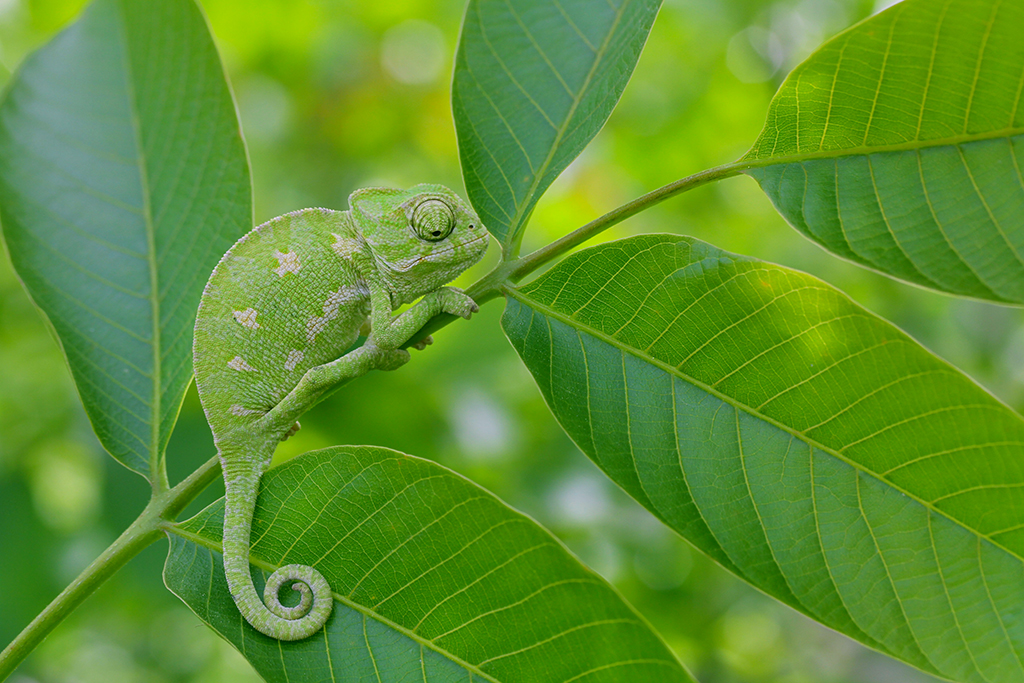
456	302
392	333
291	432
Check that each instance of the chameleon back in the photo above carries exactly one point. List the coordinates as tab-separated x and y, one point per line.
282	300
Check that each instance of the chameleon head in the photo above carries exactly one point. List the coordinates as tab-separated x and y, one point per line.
422	238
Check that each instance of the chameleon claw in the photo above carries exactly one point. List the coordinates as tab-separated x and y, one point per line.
469	310
423	343
291	432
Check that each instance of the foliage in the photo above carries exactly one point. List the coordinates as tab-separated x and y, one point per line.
791	435
533	84
803	443
435	577
897	146
117	203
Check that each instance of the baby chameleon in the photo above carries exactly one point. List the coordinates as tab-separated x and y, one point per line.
280	309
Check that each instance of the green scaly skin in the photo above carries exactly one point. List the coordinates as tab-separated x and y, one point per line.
280	309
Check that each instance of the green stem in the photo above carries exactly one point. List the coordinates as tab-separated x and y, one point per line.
190	487
509	272
142	532
521	267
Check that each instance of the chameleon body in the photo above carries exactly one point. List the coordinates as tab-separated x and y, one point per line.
278	314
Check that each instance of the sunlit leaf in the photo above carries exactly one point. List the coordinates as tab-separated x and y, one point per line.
434	579
900	145
123	178
807	445
534	82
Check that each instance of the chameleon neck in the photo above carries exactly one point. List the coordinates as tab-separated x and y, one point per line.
242	477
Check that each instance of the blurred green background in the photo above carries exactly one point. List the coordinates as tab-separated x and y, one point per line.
340	94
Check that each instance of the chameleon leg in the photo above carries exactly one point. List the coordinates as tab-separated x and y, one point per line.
325	378
391	333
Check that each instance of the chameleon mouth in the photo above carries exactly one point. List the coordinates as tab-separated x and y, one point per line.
412	264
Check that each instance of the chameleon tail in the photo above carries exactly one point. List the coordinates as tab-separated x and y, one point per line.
273	618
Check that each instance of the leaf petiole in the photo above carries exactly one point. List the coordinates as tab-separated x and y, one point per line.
510	272
507	273
521	267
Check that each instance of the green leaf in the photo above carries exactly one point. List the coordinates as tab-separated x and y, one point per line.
807	445
433	577
534	82
899	145
123	178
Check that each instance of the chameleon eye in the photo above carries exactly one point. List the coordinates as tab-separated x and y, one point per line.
433	220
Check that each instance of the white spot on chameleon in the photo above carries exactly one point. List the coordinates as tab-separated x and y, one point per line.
335	300
238	363
247	318
242	411
315	326
344	247
294	358
289	262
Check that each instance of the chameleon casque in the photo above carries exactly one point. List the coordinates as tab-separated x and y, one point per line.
278	314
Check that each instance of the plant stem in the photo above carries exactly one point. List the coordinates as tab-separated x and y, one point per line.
509	272
190	487
521	267
142	532
136	537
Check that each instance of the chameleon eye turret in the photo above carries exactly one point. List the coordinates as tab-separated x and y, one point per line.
433	220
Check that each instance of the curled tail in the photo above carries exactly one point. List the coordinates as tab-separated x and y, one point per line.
272	618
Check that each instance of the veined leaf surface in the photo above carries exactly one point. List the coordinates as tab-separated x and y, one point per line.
534	82
434	580
807	445
123	178
899	145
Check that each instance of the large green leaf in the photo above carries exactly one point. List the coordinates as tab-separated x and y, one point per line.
900	145
807	445
434	579
123	178
534	82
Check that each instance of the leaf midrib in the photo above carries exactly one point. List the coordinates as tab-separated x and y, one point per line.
269	567
155	474
571	322
520	214
746	162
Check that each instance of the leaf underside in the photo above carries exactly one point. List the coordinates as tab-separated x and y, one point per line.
434	579
123	178
534	82
899	145
807	445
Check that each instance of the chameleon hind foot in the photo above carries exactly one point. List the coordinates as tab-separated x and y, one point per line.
390	359
292	432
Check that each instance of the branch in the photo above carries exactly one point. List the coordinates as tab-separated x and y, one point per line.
509	272
142	532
